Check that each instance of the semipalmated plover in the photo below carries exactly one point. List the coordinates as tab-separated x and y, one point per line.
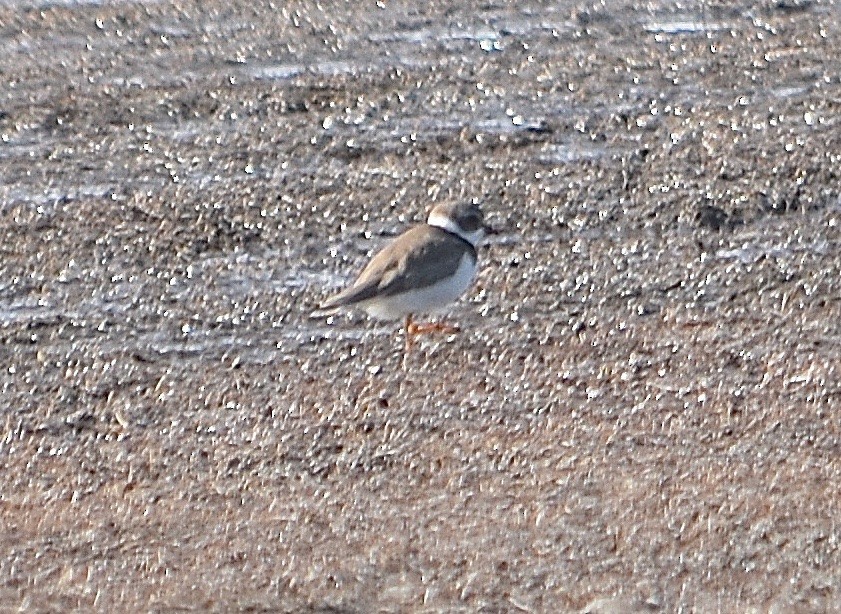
423	270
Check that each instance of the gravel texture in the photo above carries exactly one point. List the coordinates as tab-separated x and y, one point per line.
641	412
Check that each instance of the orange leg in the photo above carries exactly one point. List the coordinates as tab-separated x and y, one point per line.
413	329
409	340
434	327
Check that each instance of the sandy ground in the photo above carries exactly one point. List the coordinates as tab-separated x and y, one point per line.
642	410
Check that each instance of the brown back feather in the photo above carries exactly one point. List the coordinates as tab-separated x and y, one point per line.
392	272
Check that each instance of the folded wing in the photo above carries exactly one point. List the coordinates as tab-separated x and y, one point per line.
414	260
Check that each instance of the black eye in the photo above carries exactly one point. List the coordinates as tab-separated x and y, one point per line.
474	221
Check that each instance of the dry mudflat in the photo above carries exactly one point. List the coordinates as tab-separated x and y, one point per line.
641	412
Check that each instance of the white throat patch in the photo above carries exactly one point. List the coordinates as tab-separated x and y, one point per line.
445	222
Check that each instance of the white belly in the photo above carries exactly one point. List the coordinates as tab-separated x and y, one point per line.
425	300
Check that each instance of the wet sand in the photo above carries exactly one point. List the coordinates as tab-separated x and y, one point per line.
641	410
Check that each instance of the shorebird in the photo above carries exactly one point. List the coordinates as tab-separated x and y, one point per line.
423	270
